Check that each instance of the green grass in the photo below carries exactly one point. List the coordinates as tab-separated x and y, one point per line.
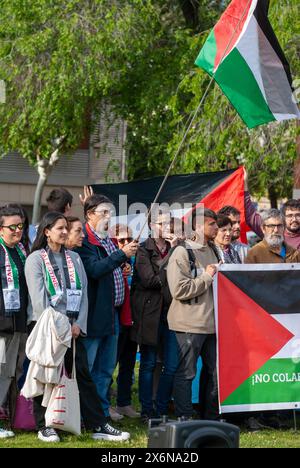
264	439
138	431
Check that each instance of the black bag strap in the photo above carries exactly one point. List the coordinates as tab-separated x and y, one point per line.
215	250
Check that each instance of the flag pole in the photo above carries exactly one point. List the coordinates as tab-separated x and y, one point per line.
188	128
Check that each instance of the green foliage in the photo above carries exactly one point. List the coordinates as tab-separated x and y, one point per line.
59	59
160	94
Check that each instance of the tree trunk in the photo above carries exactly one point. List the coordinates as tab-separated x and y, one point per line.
37	199
44	168
273	197
297	163
190	10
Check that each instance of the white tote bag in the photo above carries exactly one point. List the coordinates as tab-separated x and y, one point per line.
63	410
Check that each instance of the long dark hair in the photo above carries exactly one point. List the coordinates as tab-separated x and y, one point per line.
48	221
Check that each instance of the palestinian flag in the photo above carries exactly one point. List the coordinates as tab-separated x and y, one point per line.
257	311
243	55
213	189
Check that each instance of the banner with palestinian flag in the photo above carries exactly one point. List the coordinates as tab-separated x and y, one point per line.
212	189
257	310
244	56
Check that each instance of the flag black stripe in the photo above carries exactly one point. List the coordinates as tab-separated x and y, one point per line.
186	188
261	15
277	292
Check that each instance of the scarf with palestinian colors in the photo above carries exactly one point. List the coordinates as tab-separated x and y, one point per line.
53	285
10	279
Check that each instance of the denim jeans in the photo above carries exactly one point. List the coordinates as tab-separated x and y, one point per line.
147	365
102	358
191	346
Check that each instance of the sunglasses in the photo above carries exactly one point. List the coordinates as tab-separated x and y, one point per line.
125	239
14	227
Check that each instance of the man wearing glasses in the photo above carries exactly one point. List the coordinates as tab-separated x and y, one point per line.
274	248
291	213
103	260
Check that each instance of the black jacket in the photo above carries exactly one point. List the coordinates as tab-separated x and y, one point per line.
147	298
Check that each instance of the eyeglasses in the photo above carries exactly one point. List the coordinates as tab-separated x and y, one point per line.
14	227
273	226
125	239
104	212
293	215
163	223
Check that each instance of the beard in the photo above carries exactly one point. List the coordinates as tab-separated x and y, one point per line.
295	229
274	241
236	235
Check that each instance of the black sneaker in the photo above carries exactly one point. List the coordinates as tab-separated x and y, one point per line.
48	434
107	432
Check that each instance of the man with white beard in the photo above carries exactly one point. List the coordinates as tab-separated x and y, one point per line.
273	248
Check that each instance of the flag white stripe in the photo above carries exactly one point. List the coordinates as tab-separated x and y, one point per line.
268	71
292	349
250	14
260	407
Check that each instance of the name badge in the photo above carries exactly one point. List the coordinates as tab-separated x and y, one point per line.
11	299
74	300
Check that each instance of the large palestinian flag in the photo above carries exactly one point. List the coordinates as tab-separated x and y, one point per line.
212	189
258	328
243	55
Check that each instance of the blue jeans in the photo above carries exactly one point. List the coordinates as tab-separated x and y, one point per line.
102	358
147	365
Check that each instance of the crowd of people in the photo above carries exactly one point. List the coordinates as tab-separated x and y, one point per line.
114	296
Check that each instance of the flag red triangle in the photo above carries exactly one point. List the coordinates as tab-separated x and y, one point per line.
229	192
248	336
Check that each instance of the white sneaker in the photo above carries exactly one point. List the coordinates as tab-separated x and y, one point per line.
48	434
5	434
128	411
114	415
107	432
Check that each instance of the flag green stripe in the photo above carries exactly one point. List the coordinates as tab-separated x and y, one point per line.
240	86
207	55
265	385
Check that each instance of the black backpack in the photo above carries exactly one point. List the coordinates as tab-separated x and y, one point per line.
192	259
163	272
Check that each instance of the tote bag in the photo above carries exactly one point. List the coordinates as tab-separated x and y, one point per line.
63	410
24	417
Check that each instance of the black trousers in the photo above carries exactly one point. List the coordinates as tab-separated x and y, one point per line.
126	358
90	404
191	347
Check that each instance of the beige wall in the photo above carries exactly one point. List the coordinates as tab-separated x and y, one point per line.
24	194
